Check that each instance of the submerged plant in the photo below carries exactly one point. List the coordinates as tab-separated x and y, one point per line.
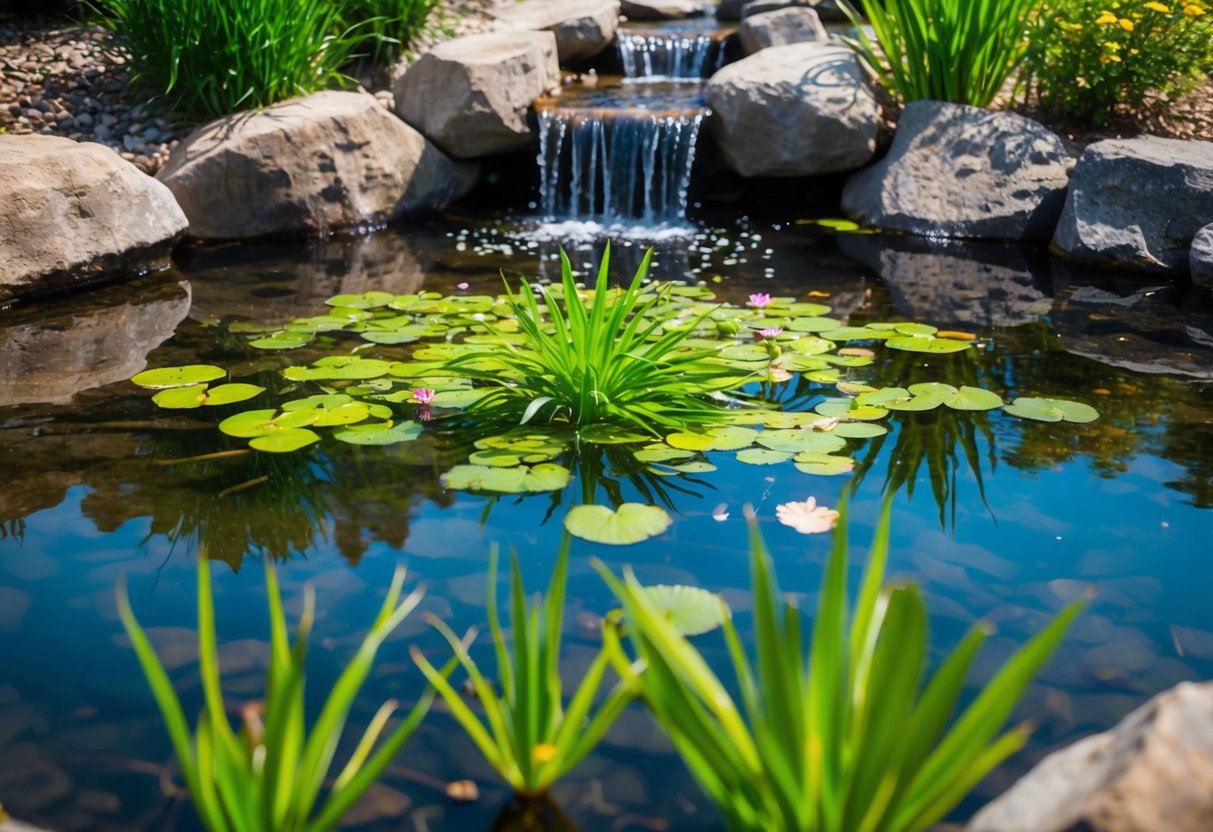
849	739
269	776
613	360
530	738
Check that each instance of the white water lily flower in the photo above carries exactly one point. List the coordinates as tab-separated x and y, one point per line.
807	517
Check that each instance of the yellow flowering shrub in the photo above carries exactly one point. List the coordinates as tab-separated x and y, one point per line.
1088	59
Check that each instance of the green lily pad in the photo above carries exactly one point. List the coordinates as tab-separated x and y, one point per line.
762	456
975	398
284	441
859	430
850	409
459	397
631	523
690	441
603	434
284	340
546	476
814	324
692	610
800	440
196	395
250	423
178	376
825	465
855	333
339	368
926	343
380	433
1052	410
662	453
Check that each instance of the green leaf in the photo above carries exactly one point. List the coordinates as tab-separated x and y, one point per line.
926	343
842	408
383	433
231	393
181	398
799	440
762	456
1052	410
546	476
692	610
284	441
178	376
282	341
631	523
825	465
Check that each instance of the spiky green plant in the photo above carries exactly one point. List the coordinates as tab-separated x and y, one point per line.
960	51
530	739
849	739
613	360
269	776
385	27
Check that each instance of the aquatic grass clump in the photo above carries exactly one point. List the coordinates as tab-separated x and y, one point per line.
211	58
856	737
962	51
269	776
385	27
530	739
613	360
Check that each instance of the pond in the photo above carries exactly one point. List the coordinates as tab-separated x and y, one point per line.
995	517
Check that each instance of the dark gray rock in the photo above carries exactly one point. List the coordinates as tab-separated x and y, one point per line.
583	28
1151	772
794	24
734	10
661	9
793	110
965	172
1137	203
75	213
1200	257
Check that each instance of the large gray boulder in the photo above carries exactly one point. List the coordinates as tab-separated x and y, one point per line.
471	95
793	110
662	9
734	10
960	171
583	28
327	161
1137	203
1200	257
74	213
793	24
1152	772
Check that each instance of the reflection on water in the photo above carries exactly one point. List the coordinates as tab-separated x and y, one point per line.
996	517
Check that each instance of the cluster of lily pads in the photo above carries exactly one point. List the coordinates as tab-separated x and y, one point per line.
433	352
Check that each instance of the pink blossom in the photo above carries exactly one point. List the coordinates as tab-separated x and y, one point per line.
807	517
463	287
759	299
423	395
423	413
768	334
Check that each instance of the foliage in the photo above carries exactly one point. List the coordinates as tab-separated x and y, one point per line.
960	51
846	740
385	27
214	57
530	739
608	361
1088	61
269	776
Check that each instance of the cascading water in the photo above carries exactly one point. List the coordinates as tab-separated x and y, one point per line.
667	55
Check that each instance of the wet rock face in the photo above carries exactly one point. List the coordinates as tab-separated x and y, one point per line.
54	351
780	27
326	161
1138	203
1200	257
471	95
583	28
1153	771
793	110
76	213
959	171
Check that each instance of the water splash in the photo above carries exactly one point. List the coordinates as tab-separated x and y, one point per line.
668	55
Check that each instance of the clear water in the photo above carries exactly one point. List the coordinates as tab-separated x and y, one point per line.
1005	525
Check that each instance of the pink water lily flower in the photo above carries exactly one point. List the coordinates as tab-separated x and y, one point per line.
463	287
768	334
807	517
759	299
423	395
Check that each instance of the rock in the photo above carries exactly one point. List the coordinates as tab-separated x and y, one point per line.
960	171
661	9
1137	203
583	28
794	24
734	10
1200	257
327	161
471	95
972	285
57	350
76	213
1153	771
793	110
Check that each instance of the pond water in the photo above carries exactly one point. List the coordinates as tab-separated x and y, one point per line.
995	517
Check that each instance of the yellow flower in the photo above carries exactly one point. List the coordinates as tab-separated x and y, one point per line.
1193	11
1105	18
1109	58
1126	24
544	752
1134	51
1158	7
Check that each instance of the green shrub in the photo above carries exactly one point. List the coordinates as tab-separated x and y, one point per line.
214	57
961	51
1089	60
385	27
856	737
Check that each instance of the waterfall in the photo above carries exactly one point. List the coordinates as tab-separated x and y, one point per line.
614	166
667	55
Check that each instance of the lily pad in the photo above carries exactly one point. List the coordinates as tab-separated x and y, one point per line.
826	465
800	440
692	610
380	433
631	523
926	343
178	376
1052	410
850	409
762	456
284	340
284	441
546	476
662	453
602	434
196	395
859	430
